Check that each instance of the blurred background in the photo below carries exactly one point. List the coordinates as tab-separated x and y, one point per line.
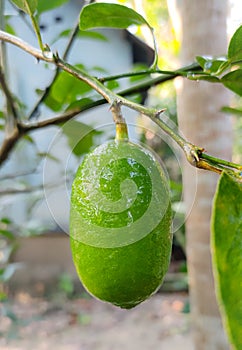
43	304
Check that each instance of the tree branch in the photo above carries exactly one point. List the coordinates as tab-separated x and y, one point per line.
193	153
179	72
8	95
12	39
8	144
59	119
57	71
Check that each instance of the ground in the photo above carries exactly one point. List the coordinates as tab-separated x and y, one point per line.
87	324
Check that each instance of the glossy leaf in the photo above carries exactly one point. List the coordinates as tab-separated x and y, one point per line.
235	45
227	253
233	81
212	66
103	15
80	136
28	6
44	5
112	84
206	77
201	60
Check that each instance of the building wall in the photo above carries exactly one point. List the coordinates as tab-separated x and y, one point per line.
26	75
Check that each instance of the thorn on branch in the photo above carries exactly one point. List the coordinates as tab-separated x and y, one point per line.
193	154
159	112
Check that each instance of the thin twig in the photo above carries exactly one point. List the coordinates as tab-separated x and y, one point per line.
12	191
3	70
34	111
59	119
71	40
195	68
8	94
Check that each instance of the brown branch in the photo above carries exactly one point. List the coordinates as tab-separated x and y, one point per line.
24	128
12	39
59	119
8	144
8	94
13	191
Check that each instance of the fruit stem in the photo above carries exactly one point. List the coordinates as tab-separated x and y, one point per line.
121	126
121	132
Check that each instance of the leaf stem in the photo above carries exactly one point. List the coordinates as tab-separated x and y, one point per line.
179	72
222	162
37	32
35	26
154	64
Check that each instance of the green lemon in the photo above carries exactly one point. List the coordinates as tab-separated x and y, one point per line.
120	223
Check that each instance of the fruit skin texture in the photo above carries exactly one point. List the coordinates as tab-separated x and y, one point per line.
122	273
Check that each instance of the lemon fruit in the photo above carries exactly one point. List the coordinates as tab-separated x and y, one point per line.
120	223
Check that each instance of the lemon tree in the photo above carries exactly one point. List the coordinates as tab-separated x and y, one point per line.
120	206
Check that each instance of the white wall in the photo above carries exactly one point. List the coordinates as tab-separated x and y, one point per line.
26	75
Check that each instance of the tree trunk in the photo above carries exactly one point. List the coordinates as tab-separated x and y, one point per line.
203	32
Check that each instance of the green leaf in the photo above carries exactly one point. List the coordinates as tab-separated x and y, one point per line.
28	6
212	66
233	81
82	103
139	67
104	15
81	34
205	77
9	29
91	35
44	5
65	90
28	138
201	60
7	234
112	84
235	45
226	244
5	220
80	136
230	110
48	155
